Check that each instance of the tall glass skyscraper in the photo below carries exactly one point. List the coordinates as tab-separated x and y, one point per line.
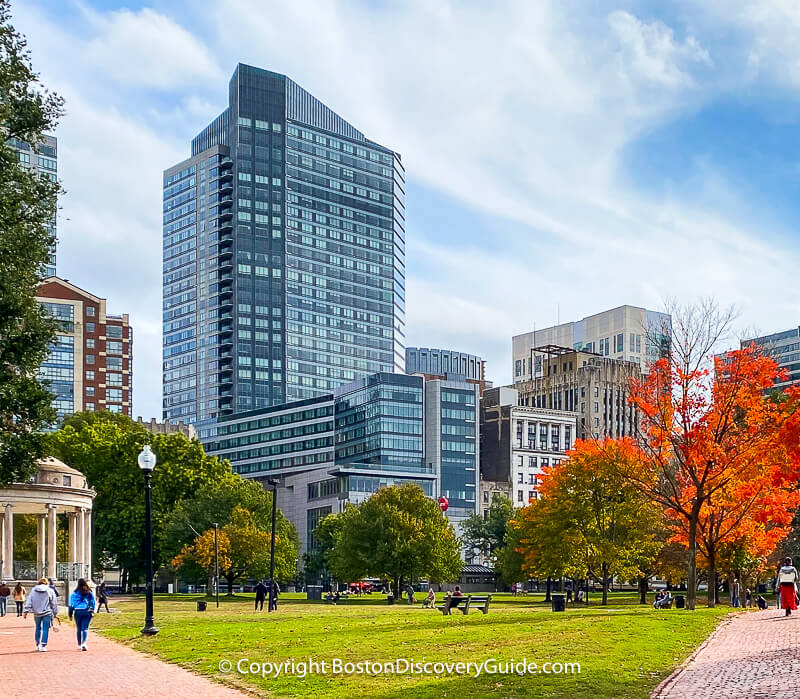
284	255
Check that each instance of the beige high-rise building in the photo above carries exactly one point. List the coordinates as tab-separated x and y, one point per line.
629	333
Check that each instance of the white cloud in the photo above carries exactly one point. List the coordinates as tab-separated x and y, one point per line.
146	48
522	112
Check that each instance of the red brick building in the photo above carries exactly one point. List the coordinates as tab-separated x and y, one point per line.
90	363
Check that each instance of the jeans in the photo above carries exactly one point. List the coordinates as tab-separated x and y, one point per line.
83	618
19	607
42	629
260	600
3	605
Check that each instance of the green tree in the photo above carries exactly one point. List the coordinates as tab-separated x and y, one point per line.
590	519
488	535
317	560
105	448
27	209
398	533
244	551
218	503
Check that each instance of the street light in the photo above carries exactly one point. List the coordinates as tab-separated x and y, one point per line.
147	462
271	605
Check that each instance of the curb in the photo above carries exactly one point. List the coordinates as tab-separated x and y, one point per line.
659	692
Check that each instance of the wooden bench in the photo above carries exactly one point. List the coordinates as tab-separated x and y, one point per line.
480	602
462	604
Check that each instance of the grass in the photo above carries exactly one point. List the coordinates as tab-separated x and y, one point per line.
624	649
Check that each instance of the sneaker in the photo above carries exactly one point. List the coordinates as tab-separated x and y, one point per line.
38	646
42	649
83	647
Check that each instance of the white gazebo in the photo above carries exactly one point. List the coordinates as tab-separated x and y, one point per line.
55	489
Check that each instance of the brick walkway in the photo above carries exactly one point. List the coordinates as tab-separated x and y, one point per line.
753	655
108	670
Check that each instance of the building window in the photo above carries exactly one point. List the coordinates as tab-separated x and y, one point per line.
90	390
90	344
486	496
90	311
531	495
114	379
113	347
67	481
89	327
520	477
596	391
519	496
114	394
90	376
89	407
90	359
114	331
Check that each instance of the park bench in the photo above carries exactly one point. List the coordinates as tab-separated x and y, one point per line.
463	604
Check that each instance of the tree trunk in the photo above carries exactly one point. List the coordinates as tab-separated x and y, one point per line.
547	591
396	584
691	587
643	590
209	586
229	580
605	583
123	581
587	590
712	579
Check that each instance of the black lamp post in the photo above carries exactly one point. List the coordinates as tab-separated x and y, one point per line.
272	604
147	462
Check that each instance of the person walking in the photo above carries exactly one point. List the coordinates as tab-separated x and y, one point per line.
19	597
787	582
273	598
81	606
102	598
261	595
735	593
5	592
410	593
43	605
53	587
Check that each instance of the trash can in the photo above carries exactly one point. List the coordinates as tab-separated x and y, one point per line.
389	599
201	605
680	602
314	592
558	602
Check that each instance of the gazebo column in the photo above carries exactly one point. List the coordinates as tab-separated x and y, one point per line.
41	537
8	542
80	540
52	534
72	519
87	546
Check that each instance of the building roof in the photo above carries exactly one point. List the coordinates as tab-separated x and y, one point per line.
472	569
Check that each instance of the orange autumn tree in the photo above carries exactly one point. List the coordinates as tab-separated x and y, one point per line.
713	450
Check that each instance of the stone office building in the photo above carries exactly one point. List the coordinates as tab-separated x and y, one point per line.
517	443
596	388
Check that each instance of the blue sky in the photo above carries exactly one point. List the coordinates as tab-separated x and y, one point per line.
562	157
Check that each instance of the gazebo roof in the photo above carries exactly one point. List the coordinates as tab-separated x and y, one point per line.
52	464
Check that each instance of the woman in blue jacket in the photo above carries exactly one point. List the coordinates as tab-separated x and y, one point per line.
81	604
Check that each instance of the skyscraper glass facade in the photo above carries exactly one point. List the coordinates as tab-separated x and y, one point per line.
284	256
379	422
44	162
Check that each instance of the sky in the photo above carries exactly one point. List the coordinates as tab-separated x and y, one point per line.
562	158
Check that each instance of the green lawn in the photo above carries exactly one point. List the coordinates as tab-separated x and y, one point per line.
624	650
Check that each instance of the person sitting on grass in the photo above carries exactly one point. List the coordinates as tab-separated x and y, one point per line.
761	603
430	601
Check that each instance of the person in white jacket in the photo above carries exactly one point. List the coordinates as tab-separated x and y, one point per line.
43	604
786	585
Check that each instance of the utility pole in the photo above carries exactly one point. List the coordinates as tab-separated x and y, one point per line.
272	604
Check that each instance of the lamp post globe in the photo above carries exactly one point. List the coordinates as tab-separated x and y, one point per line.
147	462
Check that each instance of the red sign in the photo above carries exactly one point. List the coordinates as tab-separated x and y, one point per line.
444	503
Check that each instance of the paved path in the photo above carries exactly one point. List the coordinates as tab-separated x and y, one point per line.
754	655
108	670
